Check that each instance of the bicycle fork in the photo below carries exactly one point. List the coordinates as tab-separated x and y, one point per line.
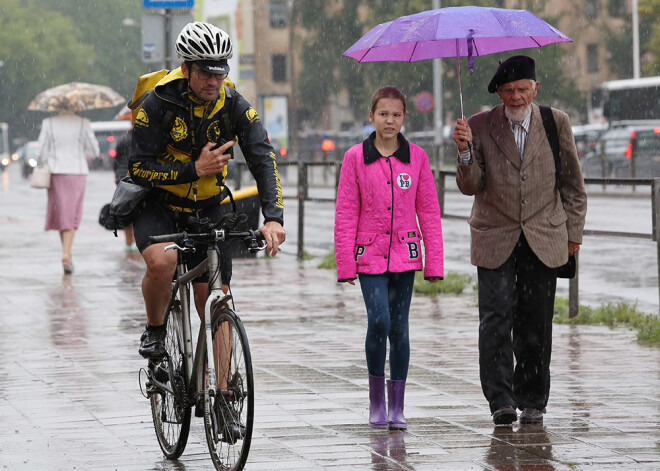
215	297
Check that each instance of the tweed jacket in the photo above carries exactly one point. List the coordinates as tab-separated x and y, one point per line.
511	195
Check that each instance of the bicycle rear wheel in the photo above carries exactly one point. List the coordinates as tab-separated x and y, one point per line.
169	410
229	412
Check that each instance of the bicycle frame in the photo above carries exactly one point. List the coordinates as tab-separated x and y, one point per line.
182	286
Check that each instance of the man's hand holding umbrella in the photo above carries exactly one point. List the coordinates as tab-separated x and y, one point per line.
462	135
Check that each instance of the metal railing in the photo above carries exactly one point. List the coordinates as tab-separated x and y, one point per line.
302	196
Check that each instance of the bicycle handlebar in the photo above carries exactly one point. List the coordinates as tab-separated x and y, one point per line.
212	236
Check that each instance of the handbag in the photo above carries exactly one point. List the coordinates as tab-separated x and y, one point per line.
40	176
568	269
105	218
126	202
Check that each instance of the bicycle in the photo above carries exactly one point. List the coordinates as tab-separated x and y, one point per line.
217	381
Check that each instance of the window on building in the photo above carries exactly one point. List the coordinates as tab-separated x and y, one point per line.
279	15
591	9
616	8
279	67
592	58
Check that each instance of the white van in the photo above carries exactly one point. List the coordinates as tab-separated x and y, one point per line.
107	133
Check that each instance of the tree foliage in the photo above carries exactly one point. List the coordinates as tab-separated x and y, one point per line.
649	12
44	43
325	72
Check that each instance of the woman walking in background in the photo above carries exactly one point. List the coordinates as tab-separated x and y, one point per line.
65	141
385	187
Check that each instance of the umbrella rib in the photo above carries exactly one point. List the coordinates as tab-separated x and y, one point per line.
412	53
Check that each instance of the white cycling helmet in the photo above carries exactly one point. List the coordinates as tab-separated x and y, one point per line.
205	43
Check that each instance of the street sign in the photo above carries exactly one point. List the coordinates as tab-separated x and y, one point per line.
157	45
168	3
153	38
424	102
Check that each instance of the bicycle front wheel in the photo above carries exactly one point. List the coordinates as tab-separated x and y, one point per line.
169	409
229	410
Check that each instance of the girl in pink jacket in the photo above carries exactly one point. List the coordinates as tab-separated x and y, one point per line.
385	187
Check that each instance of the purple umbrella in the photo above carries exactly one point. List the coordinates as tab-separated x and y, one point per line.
454	32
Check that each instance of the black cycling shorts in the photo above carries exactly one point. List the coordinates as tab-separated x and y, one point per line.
156	219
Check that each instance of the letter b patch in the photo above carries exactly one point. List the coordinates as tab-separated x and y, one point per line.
413	250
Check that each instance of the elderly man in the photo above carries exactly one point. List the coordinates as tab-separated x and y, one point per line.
524	225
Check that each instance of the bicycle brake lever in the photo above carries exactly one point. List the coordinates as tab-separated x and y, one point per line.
254	246
177	246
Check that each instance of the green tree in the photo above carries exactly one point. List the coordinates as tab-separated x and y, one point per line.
44	43
649	12
38	51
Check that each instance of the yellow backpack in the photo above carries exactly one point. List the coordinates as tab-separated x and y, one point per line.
145	85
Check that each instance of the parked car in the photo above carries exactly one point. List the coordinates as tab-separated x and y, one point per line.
27	155
617	148
107	133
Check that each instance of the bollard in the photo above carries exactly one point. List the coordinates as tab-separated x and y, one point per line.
440	188
655	207
302	196
573	294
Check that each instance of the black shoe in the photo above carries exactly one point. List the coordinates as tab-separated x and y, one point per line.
505	415
152	343
532	416
230	424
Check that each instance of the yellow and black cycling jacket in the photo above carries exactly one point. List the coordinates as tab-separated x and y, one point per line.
165	158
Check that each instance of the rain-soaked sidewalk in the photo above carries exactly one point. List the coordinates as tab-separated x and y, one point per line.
69	394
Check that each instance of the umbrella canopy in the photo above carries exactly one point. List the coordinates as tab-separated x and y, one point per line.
454	32
76	96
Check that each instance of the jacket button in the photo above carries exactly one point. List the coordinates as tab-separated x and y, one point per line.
524	201
385	257
389	208
387	233
524	177
388	183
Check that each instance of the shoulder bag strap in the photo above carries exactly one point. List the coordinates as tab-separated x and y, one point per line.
553	138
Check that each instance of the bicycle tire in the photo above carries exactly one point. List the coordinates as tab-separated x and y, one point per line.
171	412
228	447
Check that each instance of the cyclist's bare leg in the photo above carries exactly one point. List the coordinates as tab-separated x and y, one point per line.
157	281
220	348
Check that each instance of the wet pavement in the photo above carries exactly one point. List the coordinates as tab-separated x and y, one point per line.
69	394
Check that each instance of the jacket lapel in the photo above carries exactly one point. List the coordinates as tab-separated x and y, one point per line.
502	135
535	137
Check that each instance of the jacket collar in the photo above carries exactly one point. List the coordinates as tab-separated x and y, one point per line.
173	87
371	154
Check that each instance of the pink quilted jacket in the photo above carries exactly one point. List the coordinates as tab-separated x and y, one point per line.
379	201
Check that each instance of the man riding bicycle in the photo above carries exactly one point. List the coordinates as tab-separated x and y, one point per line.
177	151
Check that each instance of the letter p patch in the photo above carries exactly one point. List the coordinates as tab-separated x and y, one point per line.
359	251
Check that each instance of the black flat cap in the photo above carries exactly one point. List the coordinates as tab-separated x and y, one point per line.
512	69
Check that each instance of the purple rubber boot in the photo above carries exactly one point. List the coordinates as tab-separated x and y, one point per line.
395	392
377	413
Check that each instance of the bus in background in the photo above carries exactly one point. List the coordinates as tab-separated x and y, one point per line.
5	156
631	100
